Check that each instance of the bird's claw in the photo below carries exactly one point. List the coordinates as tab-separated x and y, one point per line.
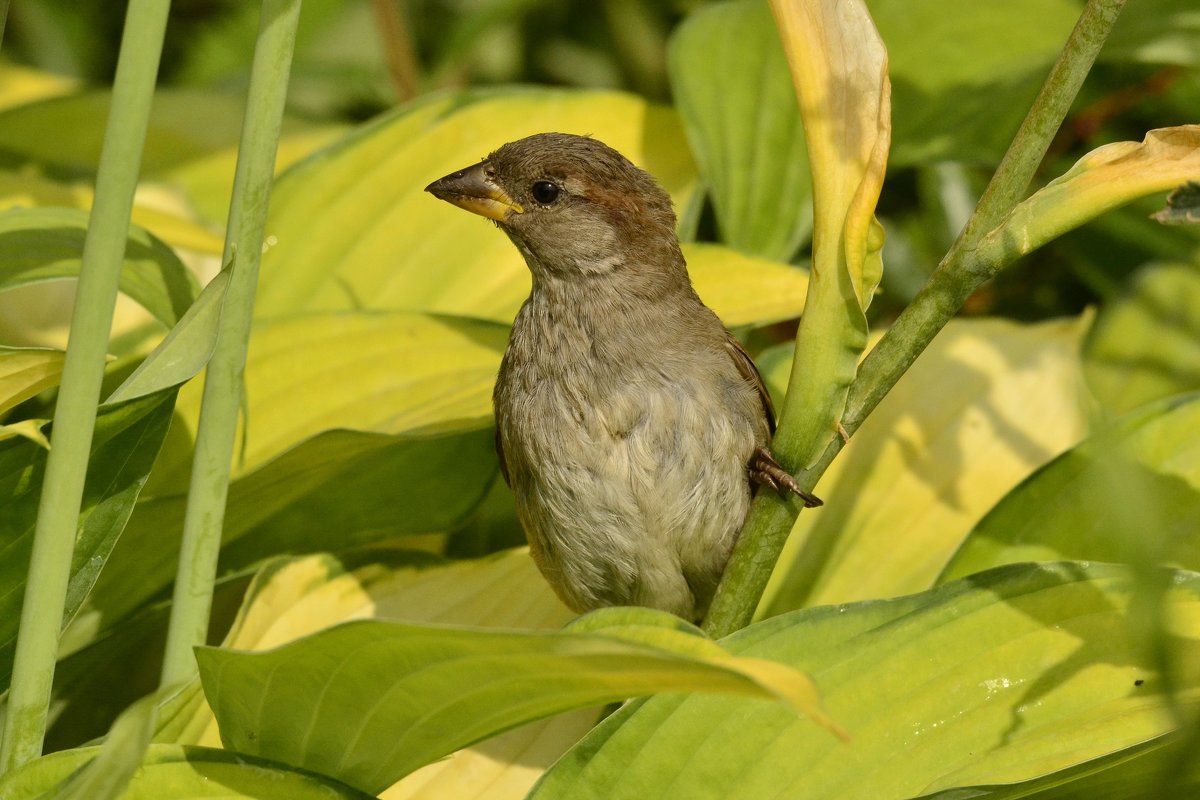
766	471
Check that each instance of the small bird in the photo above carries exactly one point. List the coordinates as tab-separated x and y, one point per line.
631	425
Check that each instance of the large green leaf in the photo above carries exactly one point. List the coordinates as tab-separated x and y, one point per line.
107	775
369	702
1145	345
1129	493
295	598
1150	771
289	599
388	372
1001	677
126	440
731	85
337	490
963	75
353	227
987	403
41	244
171	771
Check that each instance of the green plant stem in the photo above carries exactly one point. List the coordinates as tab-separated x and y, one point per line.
974	259
217	427
83	370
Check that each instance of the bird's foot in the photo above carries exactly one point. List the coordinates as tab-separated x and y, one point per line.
765	470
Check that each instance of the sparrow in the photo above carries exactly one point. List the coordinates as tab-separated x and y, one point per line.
631	425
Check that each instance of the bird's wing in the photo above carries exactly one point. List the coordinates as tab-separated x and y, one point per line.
500	453
750	372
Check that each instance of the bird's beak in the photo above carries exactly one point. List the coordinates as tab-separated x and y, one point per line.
472	189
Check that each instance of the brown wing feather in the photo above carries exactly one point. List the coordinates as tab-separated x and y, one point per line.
750	372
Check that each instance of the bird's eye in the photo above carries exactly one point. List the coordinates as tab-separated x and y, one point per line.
545	192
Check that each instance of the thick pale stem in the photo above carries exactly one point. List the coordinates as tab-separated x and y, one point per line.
972	260
217	428
75	414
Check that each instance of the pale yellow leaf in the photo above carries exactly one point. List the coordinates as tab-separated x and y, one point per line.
1104	179
839	68
985	405
745	290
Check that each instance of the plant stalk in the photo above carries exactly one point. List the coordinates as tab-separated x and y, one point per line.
972	260
223	383
79	393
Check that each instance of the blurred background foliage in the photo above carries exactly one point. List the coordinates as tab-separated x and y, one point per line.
962	79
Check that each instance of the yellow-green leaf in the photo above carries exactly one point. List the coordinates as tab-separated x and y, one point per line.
339	489
290	599
1129	493
985	405
1005	676
839	68
171	771
353	227
745	290
26	371
21	85
31	429
373	371
368	702
1104	179
1145	344
156	208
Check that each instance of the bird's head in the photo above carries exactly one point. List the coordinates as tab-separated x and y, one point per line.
572	205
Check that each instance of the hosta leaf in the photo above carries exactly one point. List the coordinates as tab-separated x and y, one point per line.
126	440
290	599
987	403
66	133
116	760
1005	676
964	75
161	210
388	372
1131	492
25	371
369	702
745	290
1104	179
20	85
504	767
176	772
1145	345
41	244
337	490
1135	773
185	349
839	67
30	429
354	228
744	126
